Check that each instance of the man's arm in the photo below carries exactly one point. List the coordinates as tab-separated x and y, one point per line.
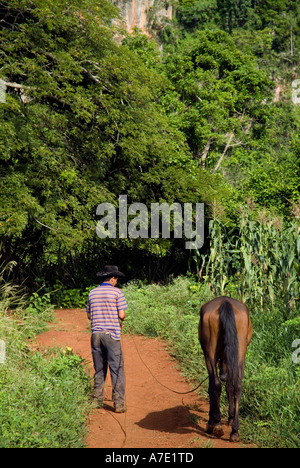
88	309
122	315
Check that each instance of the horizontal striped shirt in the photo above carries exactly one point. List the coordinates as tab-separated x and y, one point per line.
104	304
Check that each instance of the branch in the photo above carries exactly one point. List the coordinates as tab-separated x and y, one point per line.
205	153
52	229
16	85
231	145
225	151
25	98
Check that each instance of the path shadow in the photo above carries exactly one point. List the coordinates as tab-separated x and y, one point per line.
177	420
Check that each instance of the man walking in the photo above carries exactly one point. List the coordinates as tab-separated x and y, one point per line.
105	308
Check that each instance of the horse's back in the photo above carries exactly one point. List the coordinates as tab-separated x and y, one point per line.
215	304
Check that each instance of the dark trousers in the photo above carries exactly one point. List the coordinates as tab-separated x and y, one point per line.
107	352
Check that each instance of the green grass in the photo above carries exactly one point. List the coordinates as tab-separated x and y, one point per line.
43	401
44	398
271	397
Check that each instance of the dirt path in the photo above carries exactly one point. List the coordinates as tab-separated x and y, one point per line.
155	417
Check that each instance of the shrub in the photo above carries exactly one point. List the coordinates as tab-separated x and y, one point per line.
43	401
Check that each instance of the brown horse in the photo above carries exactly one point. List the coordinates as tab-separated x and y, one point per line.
225	331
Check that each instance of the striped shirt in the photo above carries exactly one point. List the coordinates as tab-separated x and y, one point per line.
104	304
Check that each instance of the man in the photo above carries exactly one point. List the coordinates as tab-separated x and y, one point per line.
105	308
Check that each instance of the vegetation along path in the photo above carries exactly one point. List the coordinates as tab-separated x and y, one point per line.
155	417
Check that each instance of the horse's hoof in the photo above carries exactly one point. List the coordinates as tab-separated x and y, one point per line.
215	430
234	437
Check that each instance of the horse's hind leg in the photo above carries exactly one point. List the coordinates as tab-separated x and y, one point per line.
234	397
235	436
214	426
230	396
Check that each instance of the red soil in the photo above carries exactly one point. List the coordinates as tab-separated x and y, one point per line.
155	417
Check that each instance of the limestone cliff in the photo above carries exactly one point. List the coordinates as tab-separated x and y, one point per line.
144	14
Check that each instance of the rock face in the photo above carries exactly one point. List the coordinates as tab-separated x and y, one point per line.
146	15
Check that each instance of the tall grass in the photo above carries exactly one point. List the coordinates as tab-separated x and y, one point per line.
9	293
43	397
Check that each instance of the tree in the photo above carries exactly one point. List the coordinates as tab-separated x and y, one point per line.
220	88
234	13
83	125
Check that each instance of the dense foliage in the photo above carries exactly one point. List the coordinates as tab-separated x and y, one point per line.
88	117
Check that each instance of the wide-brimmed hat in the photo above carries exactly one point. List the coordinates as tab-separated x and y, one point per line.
110	270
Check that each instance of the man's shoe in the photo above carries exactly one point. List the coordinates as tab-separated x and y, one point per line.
98	402
120	409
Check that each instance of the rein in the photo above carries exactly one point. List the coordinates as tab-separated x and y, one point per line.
155	378
124	428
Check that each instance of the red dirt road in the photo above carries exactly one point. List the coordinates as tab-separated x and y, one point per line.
155	417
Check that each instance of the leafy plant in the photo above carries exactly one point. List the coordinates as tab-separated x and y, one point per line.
260	258
47	407
67	298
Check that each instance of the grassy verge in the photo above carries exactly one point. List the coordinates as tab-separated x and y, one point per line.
43	401
271	398
43	397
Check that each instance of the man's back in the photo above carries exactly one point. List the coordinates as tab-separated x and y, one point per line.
104	304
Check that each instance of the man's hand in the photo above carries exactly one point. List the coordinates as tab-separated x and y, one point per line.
122	315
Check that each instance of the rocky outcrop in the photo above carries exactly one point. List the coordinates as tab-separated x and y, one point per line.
146	15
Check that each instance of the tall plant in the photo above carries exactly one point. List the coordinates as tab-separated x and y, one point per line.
261	258
9	296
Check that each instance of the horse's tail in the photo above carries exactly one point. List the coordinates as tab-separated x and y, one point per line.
231	349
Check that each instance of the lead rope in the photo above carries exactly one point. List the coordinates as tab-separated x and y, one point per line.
125	402
155	378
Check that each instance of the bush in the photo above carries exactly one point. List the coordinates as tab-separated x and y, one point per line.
70	297
43	401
